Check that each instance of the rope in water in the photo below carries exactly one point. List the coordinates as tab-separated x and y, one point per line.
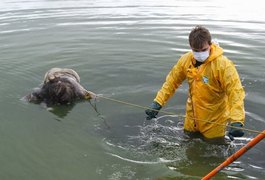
171	113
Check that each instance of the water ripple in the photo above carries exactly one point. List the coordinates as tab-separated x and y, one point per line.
160	160
125	48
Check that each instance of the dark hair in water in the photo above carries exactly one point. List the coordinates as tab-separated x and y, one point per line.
58	91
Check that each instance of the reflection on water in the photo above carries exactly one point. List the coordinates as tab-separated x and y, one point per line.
61	110
123	50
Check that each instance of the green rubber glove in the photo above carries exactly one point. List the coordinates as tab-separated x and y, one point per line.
153	111
236	132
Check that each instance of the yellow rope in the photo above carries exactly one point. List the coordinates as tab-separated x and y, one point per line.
171	113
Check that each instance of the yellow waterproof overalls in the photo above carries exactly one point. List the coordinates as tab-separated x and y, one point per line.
215	92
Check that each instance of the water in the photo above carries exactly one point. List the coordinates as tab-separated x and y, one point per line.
123	50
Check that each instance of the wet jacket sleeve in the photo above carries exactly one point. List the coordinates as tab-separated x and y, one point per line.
235	93
173	80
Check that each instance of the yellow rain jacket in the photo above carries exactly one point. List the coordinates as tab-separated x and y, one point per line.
215	93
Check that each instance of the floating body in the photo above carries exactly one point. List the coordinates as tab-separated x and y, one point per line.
60	86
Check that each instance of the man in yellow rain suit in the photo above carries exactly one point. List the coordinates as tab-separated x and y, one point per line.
216	96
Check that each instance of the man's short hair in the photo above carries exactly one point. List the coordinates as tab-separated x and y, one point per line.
199	36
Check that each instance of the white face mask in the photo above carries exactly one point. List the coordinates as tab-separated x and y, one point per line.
201	56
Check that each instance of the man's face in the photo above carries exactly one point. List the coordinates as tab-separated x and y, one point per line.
205	47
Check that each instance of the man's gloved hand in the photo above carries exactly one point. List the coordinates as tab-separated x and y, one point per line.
153	111
235	132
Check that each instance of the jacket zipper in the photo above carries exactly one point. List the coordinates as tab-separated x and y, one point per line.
193	102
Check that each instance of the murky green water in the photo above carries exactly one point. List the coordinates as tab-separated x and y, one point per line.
123	50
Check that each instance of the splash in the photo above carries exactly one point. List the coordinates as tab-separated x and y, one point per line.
162	141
